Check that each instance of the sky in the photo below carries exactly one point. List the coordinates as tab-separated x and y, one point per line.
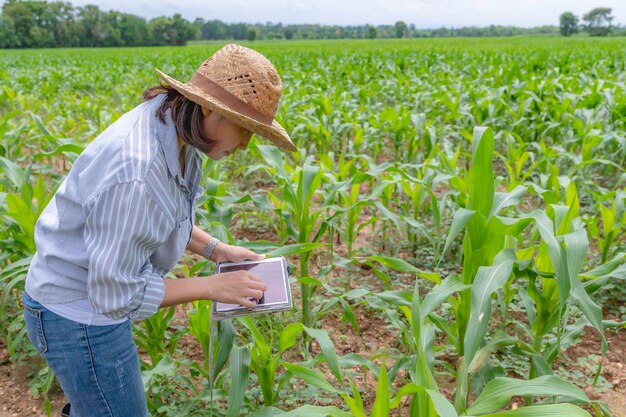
423	13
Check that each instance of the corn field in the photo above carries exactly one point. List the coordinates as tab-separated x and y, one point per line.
455	213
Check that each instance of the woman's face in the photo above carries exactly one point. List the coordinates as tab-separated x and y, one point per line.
227	135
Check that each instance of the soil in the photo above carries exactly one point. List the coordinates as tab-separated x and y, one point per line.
613	370
374	336
16	399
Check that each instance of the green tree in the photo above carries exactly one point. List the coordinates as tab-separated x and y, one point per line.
251	34
401	29
93	21
238	31
112	24
568	24
134	30
8	37
371	32
22	18
159	30
214	29
171	30
184	30
598	21
61	18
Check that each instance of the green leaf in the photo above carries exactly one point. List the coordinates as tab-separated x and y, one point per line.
440	293
503	200
165	367
482	356
480	183
274	157
488	280
395	263
226	334
355	403
304	411
357	293
63	149
443	407
461	217
609	268
259	340
294	249
555	251
554	410
13	172
310	281
40	126
328	350
499	392
239	372
401	265
310	180
381	404
288	336
310	377
396	298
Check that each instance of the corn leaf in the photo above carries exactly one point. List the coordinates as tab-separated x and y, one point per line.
328	350
488	280
554	410
310	376
381	404
499	392
304	411
239	371
442	406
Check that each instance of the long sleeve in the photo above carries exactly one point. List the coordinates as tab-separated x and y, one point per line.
124	226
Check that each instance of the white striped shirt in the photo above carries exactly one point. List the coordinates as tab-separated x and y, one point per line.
119	222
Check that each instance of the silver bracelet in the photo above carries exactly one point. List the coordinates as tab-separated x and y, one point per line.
208	250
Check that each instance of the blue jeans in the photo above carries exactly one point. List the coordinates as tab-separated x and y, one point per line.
97	366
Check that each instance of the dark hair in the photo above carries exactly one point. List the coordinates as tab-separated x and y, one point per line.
186	115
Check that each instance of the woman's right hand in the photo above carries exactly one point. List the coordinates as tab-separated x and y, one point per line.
236	287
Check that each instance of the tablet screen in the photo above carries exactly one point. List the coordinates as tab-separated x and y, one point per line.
270	271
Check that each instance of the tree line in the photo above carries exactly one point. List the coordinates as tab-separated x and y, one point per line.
597	22
42	24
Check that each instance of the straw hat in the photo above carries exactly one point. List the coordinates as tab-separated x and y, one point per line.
241	85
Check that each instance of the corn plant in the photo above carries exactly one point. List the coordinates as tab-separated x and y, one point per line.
153	337
382	129
426	400
12	279
267	350
345	202
24	204
484	239
486	268
294	207
613	220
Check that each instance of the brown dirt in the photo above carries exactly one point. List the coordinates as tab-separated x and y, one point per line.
16	399
613	370
375	335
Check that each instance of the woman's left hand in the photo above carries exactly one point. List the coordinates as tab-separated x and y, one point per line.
230	253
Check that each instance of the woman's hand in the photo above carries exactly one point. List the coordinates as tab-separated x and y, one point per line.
236	287
229	253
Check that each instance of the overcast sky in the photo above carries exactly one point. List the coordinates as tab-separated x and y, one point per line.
423	13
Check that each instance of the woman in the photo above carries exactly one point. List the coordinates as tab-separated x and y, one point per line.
122	218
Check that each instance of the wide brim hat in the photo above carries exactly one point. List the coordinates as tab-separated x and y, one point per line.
241	85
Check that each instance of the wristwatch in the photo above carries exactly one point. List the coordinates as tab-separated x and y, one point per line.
208	250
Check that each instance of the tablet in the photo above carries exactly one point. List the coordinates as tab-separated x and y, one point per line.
274	272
